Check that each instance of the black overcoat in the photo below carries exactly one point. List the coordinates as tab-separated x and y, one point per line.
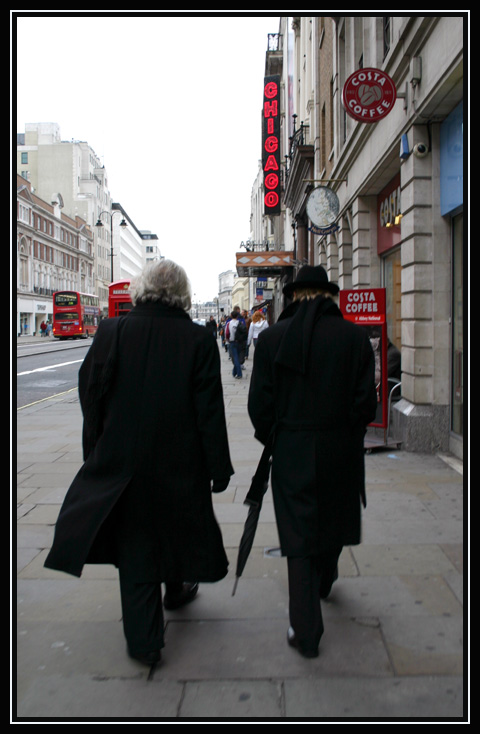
313	382
154	437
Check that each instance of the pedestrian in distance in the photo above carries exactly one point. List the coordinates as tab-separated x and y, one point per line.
248	320
222	331
155	447
241	337
43	329
234	344
259	323
211	326
312	395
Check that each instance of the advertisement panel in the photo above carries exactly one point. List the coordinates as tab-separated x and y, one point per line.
369	95
367	308
389	215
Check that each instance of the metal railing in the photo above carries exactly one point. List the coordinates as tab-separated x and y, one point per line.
264	246
298	138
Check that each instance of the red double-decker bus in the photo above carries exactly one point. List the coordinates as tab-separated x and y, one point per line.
119	299
75	315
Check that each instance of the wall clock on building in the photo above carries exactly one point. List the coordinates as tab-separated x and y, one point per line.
322	207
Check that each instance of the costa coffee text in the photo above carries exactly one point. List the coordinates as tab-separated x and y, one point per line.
369	95
363	306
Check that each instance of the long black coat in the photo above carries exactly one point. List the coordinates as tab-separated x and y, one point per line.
313	379
154	437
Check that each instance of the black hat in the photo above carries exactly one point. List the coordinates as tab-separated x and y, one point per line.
311	277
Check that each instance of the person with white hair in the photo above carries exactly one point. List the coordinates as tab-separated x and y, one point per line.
155	447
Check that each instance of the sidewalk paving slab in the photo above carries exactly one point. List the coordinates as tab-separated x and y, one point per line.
393	643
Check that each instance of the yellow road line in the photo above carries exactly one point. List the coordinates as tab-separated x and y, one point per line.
49	398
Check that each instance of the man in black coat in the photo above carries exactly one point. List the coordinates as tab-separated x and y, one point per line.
155	447
313	386
211	326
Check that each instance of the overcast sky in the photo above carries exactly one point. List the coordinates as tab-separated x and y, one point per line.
172	106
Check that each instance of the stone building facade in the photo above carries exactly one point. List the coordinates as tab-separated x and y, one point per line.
398	182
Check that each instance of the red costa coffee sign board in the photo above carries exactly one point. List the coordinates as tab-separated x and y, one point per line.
364	306
367	308
271	144
369	95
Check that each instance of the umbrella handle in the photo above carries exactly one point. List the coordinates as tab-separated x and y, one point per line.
235	586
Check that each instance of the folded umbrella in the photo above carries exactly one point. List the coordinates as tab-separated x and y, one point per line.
254	498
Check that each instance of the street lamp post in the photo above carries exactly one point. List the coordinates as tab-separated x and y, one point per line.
123	224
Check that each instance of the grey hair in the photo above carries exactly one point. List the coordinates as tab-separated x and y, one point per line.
163	281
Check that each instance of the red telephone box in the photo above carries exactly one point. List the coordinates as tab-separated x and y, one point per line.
119	299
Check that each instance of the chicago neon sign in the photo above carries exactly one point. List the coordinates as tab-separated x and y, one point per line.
271	144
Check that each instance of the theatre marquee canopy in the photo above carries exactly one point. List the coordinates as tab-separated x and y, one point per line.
264	264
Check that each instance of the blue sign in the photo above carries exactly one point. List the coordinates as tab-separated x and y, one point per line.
451	162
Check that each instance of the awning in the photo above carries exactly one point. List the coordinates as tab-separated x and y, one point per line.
266	264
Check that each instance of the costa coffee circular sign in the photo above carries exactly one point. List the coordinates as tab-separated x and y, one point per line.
369	95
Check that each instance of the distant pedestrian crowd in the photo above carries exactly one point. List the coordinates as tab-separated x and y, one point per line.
45	328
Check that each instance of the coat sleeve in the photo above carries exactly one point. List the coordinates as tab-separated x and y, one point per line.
89	403
210	411
94	379
261	403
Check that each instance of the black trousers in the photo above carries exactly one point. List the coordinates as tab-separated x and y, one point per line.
142	610
307	577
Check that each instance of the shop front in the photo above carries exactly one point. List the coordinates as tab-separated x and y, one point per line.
389	215
30	314
420	249
451	195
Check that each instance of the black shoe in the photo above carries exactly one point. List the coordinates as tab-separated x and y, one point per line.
147	658
292	641
186	595
325	588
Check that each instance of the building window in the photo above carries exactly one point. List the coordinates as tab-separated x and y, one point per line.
24	157
386	35
457	326
392	275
